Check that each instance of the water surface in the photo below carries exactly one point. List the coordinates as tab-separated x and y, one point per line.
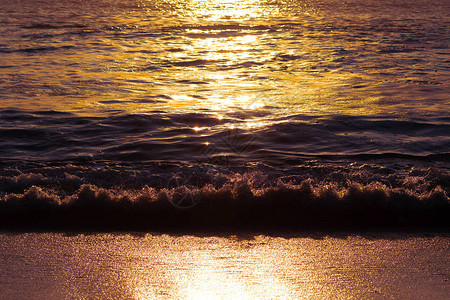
336	104
152	266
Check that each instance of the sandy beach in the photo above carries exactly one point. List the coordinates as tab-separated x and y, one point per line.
226	266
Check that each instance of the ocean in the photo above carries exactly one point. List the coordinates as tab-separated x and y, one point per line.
130	114
252	149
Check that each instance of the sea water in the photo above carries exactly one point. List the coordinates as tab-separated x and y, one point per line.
245	113
247	133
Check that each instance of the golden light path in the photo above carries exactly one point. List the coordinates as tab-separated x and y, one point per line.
215	56
180	56
190	267
154	266
216	272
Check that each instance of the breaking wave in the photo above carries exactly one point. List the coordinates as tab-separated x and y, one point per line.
159	196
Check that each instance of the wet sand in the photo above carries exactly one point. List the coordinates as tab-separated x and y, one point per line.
224	266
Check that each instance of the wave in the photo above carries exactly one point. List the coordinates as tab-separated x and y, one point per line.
36	49
44	135
173	195
53	26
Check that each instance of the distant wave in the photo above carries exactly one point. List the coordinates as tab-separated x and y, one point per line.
164	195
36	49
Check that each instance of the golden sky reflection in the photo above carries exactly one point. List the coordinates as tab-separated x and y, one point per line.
219	56
255	267
154	266
216	268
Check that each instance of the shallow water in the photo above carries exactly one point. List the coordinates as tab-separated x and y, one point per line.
324	103
151	266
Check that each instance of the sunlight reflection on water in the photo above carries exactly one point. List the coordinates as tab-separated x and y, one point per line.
312	57
111	266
